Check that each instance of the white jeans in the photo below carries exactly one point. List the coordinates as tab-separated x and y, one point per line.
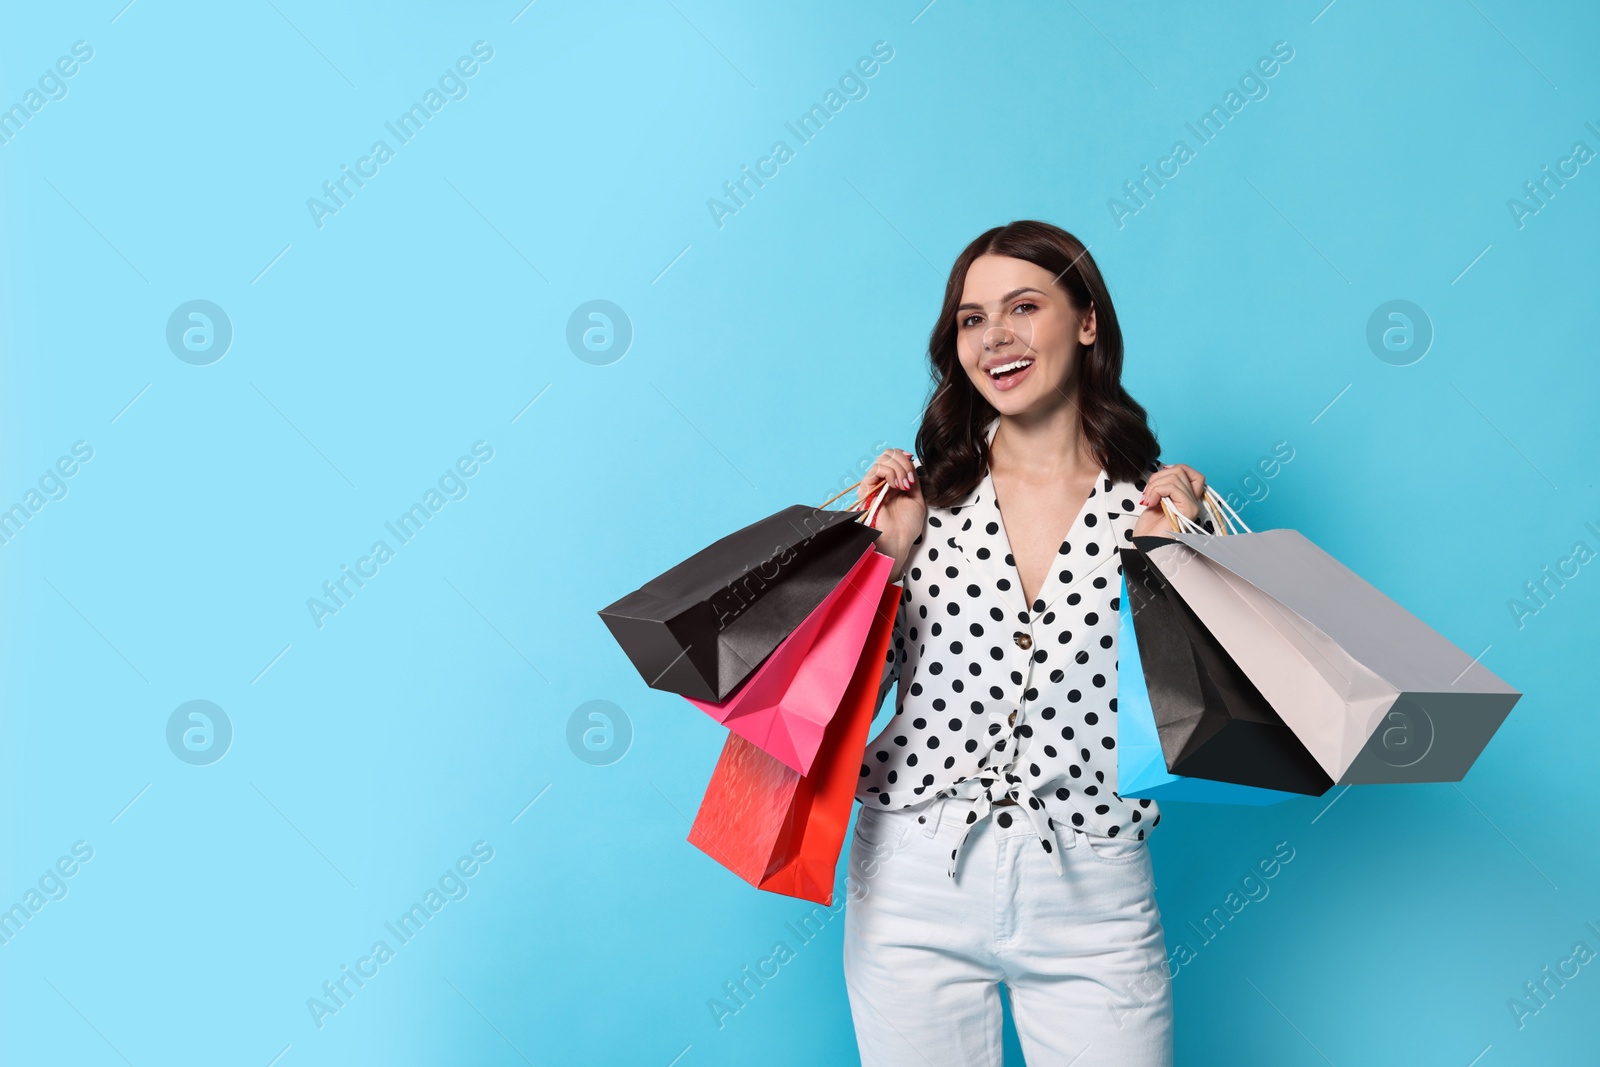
1082	956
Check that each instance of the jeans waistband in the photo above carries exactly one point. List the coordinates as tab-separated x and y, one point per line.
933	814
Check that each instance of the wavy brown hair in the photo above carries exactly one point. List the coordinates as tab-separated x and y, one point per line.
950	442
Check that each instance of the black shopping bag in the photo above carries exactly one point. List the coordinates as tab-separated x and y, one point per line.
702	627
1212	721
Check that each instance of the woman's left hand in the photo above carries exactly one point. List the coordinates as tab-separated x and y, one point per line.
1180	484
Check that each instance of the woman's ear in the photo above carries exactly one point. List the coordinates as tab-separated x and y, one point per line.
1086	327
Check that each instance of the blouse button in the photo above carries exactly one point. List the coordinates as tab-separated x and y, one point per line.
1023	640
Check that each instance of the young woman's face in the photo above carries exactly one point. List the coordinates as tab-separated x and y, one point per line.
1014	317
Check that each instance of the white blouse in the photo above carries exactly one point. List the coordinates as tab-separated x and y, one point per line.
999	698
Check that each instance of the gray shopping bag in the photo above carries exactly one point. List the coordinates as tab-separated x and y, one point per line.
1374	693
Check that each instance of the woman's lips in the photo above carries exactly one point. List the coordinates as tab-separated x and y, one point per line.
1009	381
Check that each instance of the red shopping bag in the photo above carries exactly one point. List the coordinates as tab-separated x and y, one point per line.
783	831
785	706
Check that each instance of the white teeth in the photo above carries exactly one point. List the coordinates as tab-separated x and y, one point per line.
1016	364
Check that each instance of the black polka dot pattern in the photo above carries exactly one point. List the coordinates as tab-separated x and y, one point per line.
1040	674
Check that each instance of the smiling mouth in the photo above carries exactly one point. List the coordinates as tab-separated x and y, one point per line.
1006	370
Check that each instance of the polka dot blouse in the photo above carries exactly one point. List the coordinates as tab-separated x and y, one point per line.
999	698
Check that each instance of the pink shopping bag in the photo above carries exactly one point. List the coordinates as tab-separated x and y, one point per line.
781	831
785	706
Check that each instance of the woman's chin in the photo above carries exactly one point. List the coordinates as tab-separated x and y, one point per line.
1017	401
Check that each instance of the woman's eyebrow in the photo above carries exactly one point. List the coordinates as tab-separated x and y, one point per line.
1004	299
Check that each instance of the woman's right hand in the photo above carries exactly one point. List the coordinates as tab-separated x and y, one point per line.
903	512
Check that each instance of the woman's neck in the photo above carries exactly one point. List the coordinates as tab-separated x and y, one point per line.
1042	446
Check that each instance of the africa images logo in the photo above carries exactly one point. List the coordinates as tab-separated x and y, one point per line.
452	485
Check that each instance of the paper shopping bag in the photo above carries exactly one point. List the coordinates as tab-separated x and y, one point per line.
1374	693
785	706
706	624
1189	725
783	831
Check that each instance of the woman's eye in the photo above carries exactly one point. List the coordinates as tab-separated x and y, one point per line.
969	320
1027	305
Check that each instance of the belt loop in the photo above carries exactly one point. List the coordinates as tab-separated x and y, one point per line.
931	817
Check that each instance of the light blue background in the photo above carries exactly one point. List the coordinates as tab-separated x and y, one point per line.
770	357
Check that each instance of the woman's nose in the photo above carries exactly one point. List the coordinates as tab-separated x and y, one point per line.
996	337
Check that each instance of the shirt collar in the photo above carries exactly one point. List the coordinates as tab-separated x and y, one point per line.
974	528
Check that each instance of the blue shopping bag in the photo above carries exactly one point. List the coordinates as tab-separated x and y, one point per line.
1141	765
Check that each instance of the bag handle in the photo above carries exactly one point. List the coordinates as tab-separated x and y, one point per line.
1217	497
839	494
1181	523
872	513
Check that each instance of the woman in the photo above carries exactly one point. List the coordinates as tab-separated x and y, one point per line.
991	846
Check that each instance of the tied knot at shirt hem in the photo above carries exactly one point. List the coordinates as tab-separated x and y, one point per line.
980	792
